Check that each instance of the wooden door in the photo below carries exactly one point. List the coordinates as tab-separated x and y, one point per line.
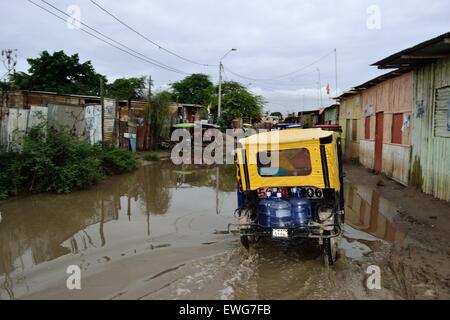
378	142
348	129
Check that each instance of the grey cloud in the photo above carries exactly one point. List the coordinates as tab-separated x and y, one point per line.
272	37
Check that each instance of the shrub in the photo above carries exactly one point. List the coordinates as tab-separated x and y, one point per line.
114	160
10	179
151	157
56	161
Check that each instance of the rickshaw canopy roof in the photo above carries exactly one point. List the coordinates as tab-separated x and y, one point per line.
183	125
286	136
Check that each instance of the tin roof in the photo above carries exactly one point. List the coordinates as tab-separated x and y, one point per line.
285	136
382	78
56	94
347	93
420	54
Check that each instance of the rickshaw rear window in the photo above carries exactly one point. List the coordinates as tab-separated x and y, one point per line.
284	163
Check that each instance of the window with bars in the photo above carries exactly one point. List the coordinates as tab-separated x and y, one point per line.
442	112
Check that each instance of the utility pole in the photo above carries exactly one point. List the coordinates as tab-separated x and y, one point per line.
9	58
102	103
219	102
320	87
149	129
336	72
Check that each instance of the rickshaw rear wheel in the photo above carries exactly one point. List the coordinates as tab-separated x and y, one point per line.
245	242
330	251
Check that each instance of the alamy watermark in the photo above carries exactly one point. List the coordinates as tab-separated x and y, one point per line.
215	147
73	22
373	21
73	282
373	281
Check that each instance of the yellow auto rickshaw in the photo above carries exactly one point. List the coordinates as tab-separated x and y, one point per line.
290	185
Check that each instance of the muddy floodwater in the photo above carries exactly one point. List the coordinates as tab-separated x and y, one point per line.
161	233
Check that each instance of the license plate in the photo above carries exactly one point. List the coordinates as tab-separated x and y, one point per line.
280	233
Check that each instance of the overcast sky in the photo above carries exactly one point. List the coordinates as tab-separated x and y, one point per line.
273	38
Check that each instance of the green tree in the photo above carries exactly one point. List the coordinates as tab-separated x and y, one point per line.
196	88
127	89
238	102
59	73
277	114
159	116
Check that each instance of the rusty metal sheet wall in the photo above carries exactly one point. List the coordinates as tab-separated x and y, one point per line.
430	168
441	112
4	114
140	137
38	114
110	113
93	122
331	116
17	126
366	153
350	108
68	116
123	128
390	97
396	162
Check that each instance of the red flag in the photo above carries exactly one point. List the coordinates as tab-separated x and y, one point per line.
328	89
321	110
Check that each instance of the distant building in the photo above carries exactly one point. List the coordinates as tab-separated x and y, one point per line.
307	119
188	112
81	115
330	115
350	122
270	119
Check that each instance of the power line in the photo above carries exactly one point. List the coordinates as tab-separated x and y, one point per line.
283	75
148	39
111	39
289	82
137	55
3	76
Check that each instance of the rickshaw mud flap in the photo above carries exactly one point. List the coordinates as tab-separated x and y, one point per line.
256	230
246	176
323	156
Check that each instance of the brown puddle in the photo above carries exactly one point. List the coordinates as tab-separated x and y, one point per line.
158	206
368	212
164	207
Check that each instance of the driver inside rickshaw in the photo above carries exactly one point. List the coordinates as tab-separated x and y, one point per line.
284	163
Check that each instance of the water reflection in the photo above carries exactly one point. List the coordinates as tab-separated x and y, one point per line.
40	228
367	211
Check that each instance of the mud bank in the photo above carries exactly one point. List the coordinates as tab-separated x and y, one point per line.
420	265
